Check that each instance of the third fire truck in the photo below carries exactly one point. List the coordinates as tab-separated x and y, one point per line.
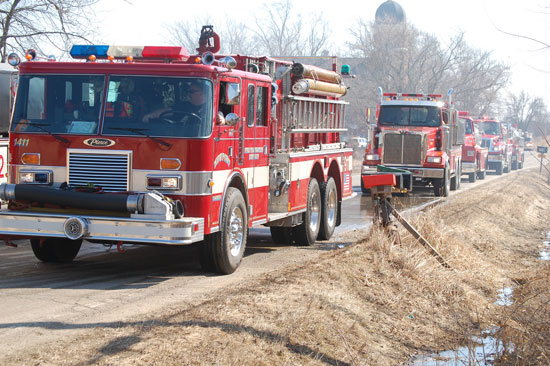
152	145
420	133
500	149
474	156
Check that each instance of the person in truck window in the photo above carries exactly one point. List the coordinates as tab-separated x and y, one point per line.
194	110
129	104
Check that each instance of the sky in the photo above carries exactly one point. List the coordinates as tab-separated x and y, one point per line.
138	22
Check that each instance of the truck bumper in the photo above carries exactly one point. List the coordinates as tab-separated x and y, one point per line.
415	172
148	231
468	167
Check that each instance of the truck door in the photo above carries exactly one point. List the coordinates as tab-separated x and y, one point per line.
226	139
256	147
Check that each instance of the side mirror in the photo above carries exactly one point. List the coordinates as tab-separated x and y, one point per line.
232	93
232	119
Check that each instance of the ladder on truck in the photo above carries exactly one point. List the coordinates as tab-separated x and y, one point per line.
311	115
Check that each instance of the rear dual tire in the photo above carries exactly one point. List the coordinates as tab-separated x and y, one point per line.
307	232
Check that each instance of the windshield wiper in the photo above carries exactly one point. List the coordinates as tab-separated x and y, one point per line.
139	131
40	127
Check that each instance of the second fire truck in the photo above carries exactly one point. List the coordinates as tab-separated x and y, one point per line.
420	133
152	145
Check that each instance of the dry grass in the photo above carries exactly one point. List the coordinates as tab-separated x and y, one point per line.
373	303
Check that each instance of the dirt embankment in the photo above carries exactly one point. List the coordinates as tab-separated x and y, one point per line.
372	303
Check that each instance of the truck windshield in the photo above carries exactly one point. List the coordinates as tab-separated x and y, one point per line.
58	103
410	116
490	128
158	106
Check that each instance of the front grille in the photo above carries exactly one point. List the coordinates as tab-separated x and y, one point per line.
108	171
402	149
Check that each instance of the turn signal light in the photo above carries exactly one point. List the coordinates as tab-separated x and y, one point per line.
170	164
30	159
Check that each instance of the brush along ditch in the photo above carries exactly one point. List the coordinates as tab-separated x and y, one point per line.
370	303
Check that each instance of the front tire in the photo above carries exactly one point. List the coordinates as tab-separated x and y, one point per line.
223	251
481	174
442	186
306	233
329	212
499	169
472	177
455	182
55	250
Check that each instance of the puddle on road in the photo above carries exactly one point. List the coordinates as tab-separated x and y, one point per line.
481	352
505	297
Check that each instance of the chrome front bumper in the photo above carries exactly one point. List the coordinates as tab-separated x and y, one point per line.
417	172
182	231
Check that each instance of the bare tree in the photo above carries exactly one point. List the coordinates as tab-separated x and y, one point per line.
401	58
525	110
43	24
283	32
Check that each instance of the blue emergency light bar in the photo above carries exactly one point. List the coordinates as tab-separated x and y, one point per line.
124	52
85	51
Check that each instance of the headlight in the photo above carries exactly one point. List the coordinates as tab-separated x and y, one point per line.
496	147
164	182
35	177
372	157
434	159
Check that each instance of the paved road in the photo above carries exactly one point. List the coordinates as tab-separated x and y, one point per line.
44	302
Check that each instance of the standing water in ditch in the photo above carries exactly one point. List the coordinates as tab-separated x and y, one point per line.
480	351
545	252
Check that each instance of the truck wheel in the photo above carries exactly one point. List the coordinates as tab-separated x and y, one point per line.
442	186
472	177
455	182
329	209
55	250
515	165
281	235
481	174
223	251
499	169
306	233
520	165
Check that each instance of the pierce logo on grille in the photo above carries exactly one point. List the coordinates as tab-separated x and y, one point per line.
99	142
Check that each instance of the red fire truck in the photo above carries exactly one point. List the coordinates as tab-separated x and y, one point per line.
420	133
500	150
516	140
151	145
474	157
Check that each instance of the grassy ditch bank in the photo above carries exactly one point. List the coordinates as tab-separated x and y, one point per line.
372	303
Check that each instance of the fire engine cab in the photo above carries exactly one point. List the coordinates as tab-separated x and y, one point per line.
152	145
419	133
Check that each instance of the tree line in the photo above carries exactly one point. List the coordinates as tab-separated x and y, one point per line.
398	57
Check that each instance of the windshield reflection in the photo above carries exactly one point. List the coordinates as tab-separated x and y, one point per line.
410	116
490	128
58	103
163	106
134	105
